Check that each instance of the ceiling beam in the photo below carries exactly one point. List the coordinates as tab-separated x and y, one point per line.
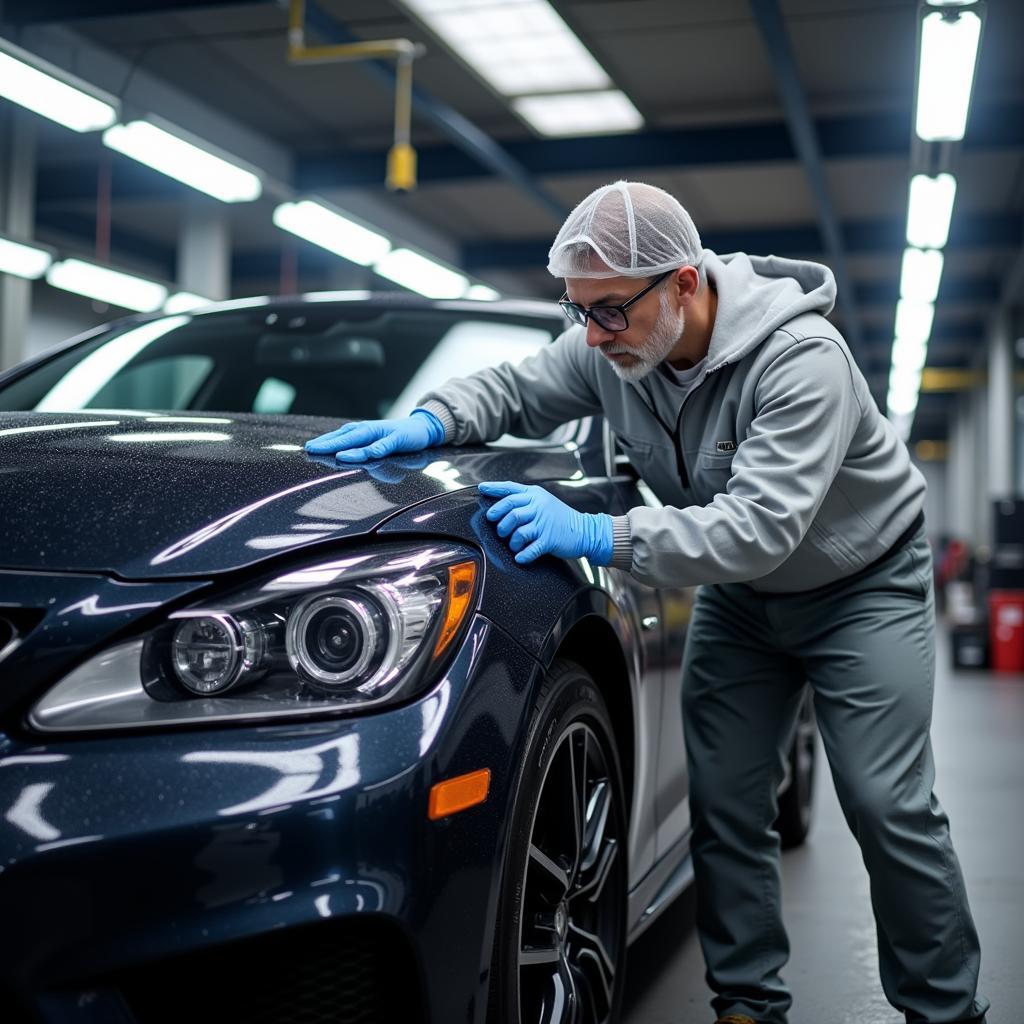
872	237
75	182
974	290
993	126
126	246
805	142
37	12
950	338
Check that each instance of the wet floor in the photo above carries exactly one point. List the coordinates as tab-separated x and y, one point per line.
978	737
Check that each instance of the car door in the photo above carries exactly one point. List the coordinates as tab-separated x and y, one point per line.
664	641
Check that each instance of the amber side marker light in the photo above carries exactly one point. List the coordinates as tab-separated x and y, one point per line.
454	795
461	578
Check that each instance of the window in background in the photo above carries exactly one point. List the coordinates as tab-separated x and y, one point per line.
274	396
467	347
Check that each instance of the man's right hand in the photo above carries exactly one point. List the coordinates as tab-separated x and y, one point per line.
375	439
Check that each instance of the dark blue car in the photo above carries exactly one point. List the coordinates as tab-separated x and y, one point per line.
283	740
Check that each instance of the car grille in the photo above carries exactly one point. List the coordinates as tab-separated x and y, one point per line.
351	972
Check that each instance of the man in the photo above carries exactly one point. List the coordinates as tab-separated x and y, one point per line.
791	499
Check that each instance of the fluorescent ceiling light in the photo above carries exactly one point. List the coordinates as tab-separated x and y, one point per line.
909	354
107	285
929	210
518	67
921	273
904	385
582	113
517	47
949	50
901	403
45	89
23	260
185	302
481	292
416	272
188	162
323	227
902	422
914	319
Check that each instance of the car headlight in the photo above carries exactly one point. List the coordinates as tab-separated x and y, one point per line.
351	633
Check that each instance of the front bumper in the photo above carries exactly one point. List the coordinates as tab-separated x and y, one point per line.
123	854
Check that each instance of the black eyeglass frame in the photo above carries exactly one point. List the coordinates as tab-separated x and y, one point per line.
569	308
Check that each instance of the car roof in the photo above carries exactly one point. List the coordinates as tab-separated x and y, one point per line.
394	300
533	309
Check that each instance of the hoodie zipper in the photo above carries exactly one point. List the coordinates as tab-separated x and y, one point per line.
677	444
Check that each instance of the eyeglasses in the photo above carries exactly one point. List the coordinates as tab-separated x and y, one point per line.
611	318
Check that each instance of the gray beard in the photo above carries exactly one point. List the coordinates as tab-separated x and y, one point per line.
667	330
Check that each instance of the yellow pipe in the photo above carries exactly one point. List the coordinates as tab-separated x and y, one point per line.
401	169
932	451
940	379
296	25
402	157
370	50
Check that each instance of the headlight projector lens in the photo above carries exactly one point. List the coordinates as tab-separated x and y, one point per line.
335	640
207	653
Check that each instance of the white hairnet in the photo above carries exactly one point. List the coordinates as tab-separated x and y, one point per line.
633	230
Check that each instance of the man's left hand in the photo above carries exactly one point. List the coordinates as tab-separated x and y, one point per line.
537	523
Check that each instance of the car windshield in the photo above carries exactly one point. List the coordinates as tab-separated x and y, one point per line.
356	360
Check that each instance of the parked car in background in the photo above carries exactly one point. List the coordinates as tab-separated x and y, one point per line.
282	739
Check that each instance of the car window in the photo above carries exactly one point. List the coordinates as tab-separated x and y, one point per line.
357	360
167	383
464	348
274	396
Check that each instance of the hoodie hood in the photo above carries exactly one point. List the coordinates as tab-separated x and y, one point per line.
759	294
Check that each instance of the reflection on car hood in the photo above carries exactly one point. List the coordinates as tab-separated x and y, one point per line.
146	495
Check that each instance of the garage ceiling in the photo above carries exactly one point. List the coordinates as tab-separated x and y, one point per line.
715	136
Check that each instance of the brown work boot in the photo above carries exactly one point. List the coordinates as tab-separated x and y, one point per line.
736	1018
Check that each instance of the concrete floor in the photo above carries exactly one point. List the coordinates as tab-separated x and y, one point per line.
978	738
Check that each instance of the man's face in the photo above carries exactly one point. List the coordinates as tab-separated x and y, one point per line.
655	323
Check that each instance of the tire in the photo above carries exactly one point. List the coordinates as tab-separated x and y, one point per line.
560	935
794	819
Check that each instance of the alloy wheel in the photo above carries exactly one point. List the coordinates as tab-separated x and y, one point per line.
570	924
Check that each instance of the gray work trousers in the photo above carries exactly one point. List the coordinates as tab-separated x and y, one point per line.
866	645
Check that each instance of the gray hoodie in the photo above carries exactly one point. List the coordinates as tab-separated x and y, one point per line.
777	468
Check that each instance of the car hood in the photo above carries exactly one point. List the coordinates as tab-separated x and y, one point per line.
145	495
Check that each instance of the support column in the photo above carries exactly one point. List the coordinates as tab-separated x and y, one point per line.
981	511
17	220
1017	334
960	481
204	248
1000	408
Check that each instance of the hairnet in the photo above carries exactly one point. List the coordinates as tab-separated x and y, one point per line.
633	230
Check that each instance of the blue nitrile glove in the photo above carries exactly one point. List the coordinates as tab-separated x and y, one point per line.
374	439
540	524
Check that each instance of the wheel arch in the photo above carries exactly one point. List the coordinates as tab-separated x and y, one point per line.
593	632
